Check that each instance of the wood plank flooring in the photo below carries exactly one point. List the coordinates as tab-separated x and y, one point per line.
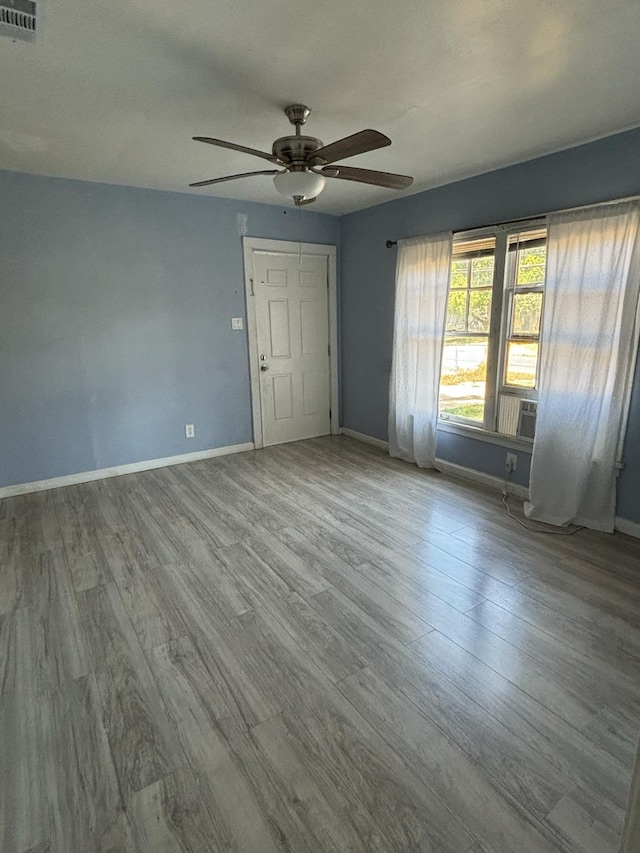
310	648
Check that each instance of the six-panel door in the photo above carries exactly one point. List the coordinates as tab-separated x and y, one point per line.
292	317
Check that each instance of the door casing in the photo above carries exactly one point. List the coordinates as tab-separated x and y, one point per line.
287	247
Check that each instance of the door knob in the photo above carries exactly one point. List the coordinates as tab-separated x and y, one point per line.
264	367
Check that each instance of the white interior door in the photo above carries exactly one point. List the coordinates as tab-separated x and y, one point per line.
292	326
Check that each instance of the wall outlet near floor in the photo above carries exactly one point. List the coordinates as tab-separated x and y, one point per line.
189	430
511	462
237	323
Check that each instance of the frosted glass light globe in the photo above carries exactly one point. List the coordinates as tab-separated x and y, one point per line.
305	184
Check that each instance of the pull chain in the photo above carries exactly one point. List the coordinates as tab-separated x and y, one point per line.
299	237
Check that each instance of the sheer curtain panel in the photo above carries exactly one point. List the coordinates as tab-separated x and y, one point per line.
422	281
589	341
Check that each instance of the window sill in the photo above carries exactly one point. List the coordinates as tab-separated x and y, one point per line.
480	434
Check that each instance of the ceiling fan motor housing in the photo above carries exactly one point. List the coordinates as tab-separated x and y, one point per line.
295	150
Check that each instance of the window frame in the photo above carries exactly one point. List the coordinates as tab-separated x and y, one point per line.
499	333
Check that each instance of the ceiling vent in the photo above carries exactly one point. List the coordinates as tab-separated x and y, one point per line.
18	19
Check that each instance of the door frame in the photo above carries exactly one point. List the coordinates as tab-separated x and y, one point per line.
287	247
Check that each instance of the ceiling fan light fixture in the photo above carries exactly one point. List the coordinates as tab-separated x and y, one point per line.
302	184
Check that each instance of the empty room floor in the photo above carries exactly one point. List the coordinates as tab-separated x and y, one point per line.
310	648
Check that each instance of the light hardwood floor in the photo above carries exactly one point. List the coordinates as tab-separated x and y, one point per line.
310	648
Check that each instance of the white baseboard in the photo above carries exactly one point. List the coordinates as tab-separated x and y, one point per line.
450	467
119	470
480	477
367	439
631	528
623	525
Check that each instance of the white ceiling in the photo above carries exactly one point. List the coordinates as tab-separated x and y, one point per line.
114	91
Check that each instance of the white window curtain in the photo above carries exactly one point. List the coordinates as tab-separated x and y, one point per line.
589	342
422	281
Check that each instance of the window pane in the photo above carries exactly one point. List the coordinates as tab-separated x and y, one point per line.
463	378
482	272
531	266
457	311
522	363
526	313
459	270
479	310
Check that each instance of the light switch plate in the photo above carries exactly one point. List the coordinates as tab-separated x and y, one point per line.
237	323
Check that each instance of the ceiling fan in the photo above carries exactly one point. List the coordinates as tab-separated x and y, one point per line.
306	162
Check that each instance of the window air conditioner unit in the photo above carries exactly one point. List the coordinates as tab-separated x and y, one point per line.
527	419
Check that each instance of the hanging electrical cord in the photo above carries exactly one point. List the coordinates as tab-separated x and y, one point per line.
528	527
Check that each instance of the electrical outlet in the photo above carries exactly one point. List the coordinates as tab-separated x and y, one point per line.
237	323
189	430
512	462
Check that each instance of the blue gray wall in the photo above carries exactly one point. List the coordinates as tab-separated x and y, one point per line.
115	322
602	170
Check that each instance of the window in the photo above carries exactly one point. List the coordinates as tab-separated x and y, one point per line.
524	290
492	334
466	343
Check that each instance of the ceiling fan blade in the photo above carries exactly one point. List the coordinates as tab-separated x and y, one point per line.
233	177
358	143
369	176
222	144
